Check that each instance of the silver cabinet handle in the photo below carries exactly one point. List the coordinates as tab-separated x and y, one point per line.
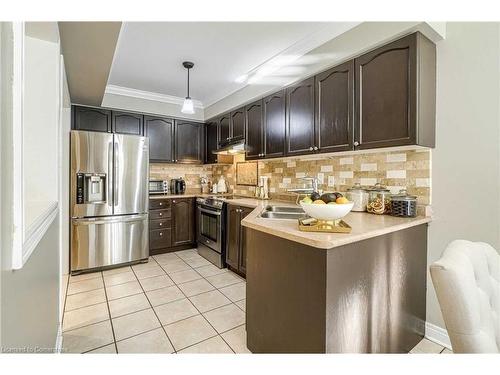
161	234
161	224
356	143
160	214
173	201
310	148
315	148
161	203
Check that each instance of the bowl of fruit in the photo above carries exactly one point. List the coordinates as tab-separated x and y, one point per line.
329	206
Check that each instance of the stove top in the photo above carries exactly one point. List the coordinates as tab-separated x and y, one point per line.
215	201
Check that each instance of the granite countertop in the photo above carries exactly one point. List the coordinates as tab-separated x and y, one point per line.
191	195
364	225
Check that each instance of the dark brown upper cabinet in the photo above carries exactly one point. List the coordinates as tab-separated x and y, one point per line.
224	128
212	142
238	124
182	221
92	119
188	142
300	117
127	123
274	125
396	94
335	108
160	131
254	130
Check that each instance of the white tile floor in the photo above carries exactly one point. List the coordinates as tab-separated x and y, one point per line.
176	303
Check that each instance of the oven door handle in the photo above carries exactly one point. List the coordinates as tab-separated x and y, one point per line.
216	213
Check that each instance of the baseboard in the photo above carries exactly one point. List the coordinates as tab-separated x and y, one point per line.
437	334
59	339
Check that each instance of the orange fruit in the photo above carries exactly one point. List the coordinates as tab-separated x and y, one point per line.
342	200
318	201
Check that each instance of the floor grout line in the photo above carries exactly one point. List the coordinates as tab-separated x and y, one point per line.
157	317
110	320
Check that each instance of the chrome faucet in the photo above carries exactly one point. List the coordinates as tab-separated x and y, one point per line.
312	189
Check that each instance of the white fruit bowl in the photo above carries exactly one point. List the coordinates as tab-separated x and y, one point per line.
327	211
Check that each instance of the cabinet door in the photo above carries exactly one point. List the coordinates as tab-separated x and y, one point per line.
274	125
242	263
224	128
254	134
188	142
92	119
238	124
386	95
182	221
127	123
211	145
233	236
300	118
335	108
161	135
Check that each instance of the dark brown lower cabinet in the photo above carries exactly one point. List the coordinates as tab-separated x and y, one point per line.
236	253
182	221
171	224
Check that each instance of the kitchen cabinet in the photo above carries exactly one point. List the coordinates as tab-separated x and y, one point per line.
274	125
254	130
236	238
127	123
182	221
171	224
212	142
300	118
237	124
224	128
395	94
91	119
188	142
334	110
160	131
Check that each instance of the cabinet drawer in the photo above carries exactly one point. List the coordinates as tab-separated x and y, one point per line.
158	204
160	224
159	239
159	214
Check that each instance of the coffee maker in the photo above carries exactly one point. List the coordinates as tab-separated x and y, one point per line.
177	186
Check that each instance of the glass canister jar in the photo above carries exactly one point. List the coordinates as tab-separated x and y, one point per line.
358	195
403	204
379	200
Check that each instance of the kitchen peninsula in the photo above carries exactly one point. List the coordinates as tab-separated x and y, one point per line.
335	293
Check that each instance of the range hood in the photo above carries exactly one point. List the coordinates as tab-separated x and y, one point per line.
231	148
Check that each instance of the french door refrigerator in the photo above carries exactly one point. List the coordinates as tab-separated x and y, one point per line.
108	199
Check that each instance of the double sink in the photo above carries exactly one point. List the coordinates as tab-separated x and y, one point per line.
282	212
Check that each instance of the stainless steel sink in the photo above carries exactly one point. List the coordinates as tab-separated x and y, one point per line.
282	215
290	209
282	212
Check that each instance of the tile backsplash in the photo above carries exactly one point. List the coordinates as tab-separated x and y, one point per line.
396	169
190	173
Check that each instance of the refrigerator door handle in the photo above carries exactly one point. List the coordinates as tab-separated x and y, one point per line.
109	220
115	173
111	179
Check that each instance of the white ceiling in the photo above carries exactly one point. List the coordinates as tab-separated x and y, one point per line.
149	55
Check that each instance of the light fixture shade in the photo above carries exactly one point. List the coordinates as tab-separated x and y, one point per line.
187	106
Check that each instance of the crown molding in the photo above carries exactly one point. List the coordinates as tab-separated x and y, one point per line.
148	95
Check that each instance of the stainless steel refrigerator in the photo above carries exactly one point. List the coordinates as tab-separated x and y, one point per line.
109	199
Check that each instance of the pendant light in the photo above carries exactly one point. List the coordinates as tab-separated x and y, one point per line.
187	106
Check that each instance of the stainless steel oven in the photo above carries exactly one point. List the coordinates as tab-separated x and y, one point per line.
211	222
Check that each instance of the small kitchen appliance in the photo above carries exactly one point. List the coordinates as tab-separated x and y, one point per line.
177	186
158	187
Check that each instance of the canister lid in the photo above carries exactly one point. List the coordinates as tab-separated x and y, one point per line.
357	187
378	187
403	196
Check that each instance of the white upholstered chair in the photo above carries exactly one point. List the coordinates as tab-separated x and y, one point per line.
467	283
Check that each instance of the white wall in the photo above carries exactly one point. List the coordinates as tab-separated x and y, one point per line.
466	160
40	126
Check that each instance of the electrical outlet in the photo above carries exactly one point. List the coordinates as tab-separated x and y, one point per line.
321	178
331	181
